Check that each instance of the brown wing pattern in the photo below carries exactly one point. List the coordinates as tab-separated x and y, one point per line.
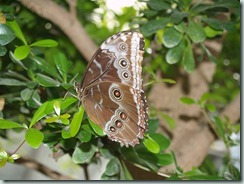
123	117
111	90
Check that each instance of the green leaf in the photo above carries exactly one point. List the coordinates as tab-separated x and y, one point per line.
204	97
187	100
177	17
211	107
46	81
3	50
219	124
211	33
124	173
64	121
97	129
11	82
34	137
153	26
7	124
106	177
162	141
76	122
196	32
218	25
41	112
151	145
35	100
46	67
56	106
6	34
62	64
16	61
84	136
175	54
3	157
51	119
26	94
21	52
172	37
158	5
47	108
112	167
15	27
169	120
188	59
105	152
65	133
170	81
15	156
164	159
209	54
84	153
65	116
45	43
181	27
153	125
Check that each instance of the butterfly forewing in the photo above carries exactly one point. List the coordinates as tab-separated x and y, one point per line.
111	90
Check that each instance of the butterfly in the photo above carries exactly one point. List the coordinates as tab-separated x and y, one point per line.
111	90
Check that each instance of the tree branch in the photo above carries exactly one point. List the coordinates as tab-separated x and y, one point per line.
66	21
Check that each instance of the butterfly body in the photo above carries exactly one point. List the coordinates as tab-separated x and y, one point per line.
111	90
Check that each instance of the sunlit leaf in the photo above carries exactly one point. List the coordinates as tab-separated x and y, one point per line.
34	137
76	122
21	52
7	124
187	100
151	145
211	107
97	129
45	43
56	106
15	27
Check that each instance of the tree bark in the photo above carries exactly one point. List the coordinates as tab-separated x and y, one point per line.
66	21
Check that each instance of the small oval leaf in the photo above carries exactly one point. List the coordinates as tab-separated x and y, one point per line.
76	122
21	52
34	137
187	100
151	145
196	32
172	37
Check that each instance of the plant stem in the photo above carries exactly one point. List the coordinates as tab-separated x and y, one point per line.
19	147
211	124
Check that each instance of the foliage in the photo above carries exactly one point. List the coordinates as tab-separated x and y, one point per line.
35	75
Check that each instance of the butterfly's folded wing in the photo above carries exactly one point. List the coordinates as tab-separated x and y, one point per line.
123	116
111	90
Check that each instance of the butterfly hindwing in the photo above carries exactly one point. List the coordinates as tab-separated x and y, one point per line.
111	90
